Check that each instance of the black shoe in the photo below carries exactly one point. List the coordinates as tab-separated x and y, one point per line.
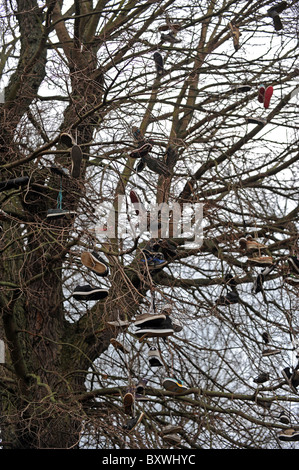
230	280
165	328
258	121
243	88
58	170
67	139
230	298
140	166
149	320
159	63
76	154
261	378
14	183
273	13
258	283
141	151
132	423
284	418
89	293
294	263
289	435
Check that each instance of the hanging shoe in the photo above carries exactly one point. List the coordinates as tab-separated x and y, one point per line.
289	435
293	262
142	151
243	88
284	418
14	183
154	357
231	298
59	213
140	387
172	439
267	97
132	423
261	261
164	328
266	337
119	323
67	139
95	263
118	345
60	171
76	155
261	93
274	11
169	37
249	244
174	385
128	402
149	320
270	352
261	378
292	279
235	34
155	261
159	64
171	428
90	293
258	121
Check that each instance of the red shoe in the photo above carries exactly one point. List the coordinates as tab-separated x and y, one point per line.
261	93
267	97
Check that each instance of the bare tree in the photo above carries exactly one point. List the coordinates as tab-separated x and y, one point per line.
186	103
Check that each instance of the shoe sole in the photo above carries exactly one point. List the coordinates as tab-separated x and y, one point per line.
97	294
76	154
154	332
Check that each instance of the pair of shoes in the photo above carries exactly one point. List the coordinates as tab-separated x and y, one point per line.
14	183
265	94
159	64
289	435
87	292
95	263
154	260
174	385
152	325
261	378
249	244
133	422
231	298
154	357
274	11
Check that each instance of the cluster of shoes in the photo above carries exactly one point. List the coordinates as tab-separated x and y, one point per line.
149	325
289	434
